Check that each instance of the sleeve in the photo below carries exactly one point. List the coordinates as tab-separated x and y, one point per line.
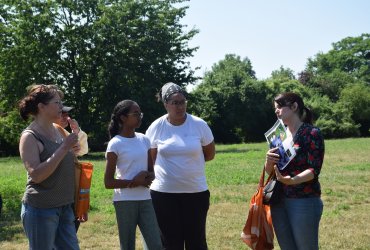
150	134
82	139
146	142
111	147
207	136
316	151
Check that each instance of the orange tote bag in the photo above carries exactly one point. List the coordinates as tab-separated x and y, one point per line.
82	196
258	233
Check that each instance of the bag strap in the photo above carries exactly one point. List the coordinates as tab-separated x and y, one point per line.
262	182
61	130
262	178
34	135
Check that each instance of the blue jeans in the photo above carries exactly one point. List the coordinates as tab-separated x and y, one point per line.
296	223
49	228
131	214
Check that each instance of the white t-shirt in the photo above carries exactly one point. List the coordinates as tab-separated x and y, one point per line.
180	164
132	157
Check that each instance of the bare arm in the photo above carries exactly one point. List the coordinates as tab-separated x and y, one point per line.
30	148
110	168
209	151
153	153
305	176
151	175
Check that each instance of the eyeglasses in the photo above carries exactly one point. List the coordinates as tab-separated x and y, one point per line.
178	103
60	103
136	114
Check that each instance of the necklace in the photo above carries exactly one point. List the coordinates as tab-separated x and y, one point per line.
51	133
292	130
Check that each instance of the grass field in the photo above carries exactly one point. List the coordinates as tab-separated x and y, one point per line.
232	178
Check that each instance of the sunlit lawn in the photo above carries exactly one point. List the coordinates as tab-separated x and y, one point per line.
232	179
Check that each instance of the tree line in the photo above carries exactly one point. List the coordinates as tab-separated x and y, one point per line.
100	52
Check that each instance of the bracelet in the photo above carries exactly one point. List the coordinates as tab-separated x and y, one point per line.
294	180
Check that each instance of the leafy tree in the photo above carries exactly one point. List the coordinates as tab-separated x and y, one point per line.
232	101
98	51
283	74
350	55
332	83
356	99
343	75
332	118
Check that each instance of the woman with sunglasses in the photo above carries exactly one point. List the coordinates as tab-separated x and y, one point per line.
47	213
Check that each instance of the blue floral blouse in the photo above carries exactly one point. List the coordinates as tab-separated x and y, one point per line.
309	146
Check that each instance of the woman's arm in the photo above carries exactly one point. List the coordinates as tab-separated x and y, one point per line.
209	151
110	169
151	175
153	153
30	155
305	176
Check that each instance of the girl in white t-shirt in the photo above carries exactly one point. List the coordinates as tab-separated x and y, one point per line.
129	171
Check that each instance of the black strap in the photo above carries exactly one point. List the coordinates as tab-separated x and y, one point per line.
34	134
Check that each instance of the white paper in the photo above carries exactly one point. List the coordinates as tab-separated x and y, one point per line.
277	137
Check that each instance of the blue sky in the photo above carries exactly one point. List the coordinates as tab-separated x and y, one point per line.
271	33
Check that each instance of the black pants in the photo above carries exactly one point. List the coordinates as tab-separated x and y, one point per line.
182	219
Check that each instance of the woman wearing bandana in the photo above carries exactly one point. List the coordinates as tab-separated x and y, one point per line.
180	145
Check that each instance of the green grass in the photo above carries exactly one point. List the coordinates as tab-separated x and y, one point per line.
232	178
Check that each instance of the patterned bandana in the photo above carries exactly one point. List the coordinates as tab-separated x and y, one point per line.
170	88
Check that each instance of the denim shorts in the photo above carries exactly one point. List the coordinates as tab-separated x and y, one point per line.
49	228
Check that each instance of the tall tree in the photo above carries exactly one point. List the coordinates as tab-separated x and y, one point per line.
350	55
356	99
283	74
338	74
233	102
98	51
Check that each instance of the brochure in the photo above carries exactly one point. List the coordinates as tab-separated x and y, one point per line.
277	137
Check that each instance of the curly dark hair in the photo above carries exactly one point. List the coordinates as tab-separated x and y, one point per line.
37	93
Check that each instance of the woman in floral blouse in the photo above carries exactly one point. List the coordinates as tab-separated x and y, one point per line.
297	215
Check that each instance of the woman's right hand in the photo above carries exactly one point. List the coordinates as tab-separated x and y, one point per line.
272	158
70	141
140	179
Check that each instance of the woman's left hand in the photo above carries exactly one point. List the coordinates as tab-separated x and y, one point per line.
287	180
76	148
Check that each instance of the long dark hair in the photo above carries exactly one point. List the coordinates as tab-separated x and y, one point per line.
122	108
288	99
37	93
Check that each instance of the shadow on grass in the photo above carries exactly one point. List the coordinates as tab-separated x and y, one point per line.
98	156
10	221
236	150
